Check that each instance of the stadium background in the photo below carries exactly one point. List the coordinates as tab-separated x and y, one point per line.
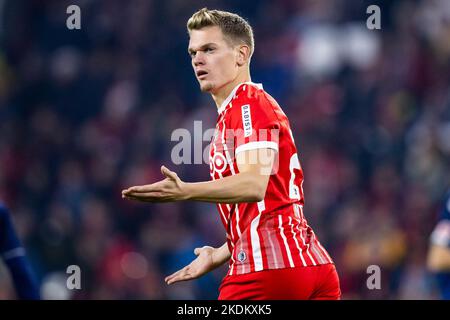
85	113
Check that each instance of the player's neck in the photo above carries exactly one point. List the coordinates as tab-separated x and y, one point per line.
220	96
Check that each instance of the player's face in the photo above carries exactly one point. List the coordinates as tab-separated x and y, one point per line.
214	60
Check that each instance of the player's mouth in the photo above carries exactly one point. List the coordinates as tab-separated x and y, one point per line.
201	74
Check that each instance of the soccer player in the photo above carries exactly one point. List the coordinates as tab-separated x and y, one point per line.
256	178
13	255
438	260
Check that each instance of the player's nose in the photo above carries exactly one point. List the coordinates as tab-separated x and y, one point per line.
198	59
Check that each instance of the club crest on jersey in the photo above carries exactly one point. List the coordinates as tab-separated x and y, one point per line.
241	256
246	120
219	162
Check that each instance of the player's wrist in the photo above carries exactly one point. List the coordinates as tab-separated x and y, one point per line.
215	258
186	191
219	256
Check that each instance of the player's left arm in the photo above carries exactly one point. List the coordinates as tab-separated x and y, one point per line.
208	259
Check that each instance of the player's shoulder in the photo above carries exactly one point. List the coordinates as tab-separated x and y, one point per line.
254	93
254	96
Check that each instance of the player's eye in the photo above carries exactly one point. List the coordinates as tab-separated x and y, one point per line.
209	50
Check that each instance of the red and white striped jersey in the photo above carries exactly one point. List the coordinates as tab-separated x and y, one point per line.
272	233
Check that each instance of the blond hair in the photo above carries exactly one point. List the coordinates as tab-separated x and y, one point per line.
235	28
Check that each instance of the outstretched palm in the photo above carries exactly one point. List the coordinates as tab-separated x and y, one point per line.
198	267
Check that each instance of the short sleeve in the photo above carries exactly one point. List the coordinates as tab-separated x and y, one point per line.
254	124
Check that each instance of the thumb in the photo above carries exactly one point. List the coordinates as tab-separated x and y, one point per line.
168	173
197	251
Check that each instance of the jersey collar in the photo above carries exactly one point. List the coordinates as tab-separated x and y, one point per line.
233	92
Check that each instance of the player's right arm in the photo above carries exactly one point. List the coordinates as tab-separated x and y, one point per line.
208	259
249	185
256	149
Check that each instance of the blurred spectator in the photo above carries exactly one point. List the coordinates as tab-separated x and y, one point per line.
84	113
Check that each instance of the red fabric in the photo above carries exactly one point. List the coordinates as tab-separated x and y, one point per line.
273	233
319	282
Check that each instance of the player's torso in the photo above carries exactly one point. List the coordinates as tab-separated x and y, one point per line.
285	183
263	235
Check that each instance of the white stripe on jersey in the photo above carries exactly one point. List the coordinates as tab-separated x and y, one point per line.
223	215
261	206
296	242
232	258
317	253
256	245
256	248
230	163
219	206
306	245
257	145
272	247
324	251
296	212
288	251
303	239
317	250
227	218
236	206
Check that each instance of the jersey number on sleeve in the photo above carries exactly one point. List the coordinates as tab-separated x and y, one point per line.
294	163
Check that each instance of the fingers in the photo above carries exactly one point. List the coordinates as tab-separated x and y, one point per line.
169	174
157	192
130	197
181	275
154	187
132	190
147	197
169	279
136	189
197	251
146	188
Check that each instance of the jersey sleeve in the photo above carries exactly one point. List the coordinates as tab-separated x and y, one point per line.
441	233
254	124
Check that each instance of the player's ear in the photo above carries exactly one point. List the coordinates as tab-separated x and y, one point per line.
243	54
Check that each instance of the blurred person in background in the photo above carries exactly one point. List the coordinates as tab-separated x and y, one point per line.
372	119
15	259
272	252
438	259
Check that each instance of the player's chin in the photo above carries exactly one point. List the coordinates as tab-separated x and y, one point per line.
206	86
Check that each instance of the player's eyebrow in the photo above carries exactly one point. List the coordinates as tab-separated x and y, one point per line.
192	50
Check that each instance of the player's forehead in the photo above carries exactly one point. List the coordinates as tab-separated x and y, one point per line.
205	36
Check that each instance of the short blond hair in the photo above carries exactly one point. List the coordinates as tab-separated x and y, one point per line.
235	28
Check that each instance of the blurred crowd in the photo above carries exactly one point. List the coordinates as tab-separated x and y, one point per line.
85	113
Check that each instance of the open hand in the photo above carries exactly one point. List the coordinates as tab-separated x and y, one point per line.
198	267
167	190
